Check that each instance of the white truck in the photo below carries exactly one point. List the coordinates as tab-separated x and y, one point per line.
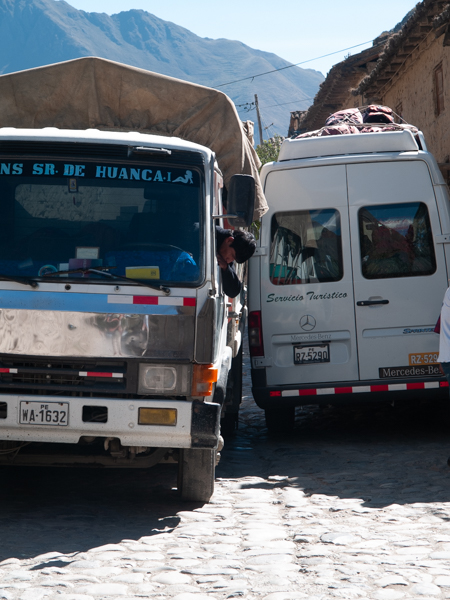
347	281
117	342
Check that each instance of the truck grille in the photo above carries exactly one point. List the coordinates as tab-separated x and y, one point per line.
48	376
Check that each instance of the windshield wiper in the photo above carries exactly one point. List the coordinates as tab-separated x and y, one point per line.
103	271
161	288
24	281
52	273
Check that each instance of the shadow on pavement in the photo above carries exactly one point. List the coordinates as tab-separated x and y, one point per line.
378	454
71	510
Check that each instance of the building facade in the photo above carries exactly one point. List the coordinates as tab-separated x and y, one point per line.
408	70
412	76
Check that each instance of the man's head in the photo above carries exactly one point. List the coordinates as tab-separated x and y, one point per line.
239	247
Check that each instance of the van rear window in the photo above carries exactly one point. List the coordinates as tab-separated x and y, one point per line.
306	247
396	241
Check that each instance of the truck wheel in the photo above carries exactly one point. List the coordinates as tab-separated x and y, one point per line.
280	420
236	367
228	424
196	472
230	416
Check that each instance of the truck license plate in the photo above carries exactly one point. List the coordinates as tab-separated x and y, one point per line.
44	413
317	353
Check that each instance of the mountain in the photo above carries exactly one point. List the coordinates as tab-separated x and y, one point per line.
38	32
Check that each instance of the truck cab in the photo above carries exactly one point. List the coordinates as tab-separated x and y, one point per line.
115	345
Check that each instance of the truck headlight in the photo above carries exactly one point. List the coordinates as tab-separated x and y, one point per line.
171	380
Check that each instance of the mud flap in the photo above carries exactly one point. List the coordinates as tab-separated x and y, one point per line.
205	424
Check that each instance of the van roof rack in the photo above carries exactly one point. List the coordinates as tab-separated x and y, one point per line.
312	147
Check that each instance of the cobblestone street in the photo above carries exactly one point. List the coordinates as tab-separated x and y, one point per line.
354	504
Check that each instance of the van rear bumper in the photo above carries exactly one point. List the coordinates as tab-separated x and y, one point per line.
349	392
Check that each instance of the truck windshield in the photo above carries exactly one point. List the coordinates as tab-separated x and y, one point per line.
140	220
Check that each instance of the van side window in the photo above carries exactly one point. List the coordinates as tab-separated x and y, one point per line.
306	247
396	241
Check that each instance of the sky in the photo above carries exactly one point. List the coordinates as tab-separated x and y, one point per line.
299	31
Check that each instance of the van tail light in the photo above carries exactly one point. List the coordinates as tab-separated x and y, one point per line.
255	336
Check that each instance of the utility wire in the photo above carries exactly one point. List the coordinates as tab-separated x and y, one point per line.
294	65
246	104
267	127
249	106
291	102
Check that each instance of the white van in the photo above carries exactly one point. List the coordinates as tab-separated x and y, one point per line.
347	281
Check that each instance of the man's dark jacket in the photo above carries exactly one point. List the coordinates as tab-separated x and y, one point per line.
230	279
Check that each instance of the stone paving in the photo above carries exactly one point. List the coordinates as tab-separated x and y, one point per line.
354	504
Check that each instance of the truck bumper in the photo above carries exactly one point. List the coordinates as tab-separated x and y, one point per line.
197	423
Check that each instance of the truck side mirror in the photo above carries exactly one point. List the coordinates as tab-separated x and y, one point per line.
241	200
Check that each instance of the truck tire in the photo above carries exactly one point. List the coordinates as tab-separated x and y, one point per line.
280	420
230	416
228	424
196	473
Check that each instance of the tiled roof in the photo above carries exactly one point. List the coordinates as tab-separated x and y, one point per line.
336	87
429	20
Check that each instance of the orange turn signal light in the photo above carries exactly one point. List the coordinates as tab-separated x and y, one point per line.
203	379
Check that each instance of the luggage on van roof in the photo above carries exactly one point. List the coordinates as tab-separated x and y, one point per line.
349	115
354	120
346	127
378	114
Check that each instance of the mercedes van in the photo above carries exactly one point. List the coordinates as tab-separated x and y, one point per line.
348	278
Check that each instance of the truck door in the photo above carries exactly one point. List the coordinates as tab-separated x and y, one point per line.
307	303
399	273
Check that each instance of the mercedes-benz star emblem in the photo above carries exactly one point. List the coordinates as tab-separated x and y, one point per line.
307	323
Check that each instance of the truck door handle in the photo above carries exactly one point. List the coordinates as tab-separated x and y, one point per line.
371	302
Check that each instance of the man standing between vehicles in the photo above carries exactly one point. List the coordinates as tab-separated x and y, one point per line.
443	328
444	336
233	245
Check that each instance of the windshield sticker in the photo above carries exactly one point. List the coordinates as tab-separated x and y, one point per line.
142	272
186	179
11	168
73	185
309	296
46	269
100	171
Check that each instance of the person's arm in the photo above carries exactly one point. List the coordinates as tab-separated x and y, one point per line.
230	281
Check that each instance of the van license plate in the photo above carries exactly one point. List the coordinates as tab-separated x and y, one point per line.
44	413
424	358
319	353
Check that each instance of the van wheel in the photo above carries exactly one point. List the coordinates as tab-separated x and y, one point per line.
196	473
280	420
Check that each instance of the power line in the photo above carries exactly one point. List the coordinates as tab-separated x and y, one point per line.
294	65
249	106
291	102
